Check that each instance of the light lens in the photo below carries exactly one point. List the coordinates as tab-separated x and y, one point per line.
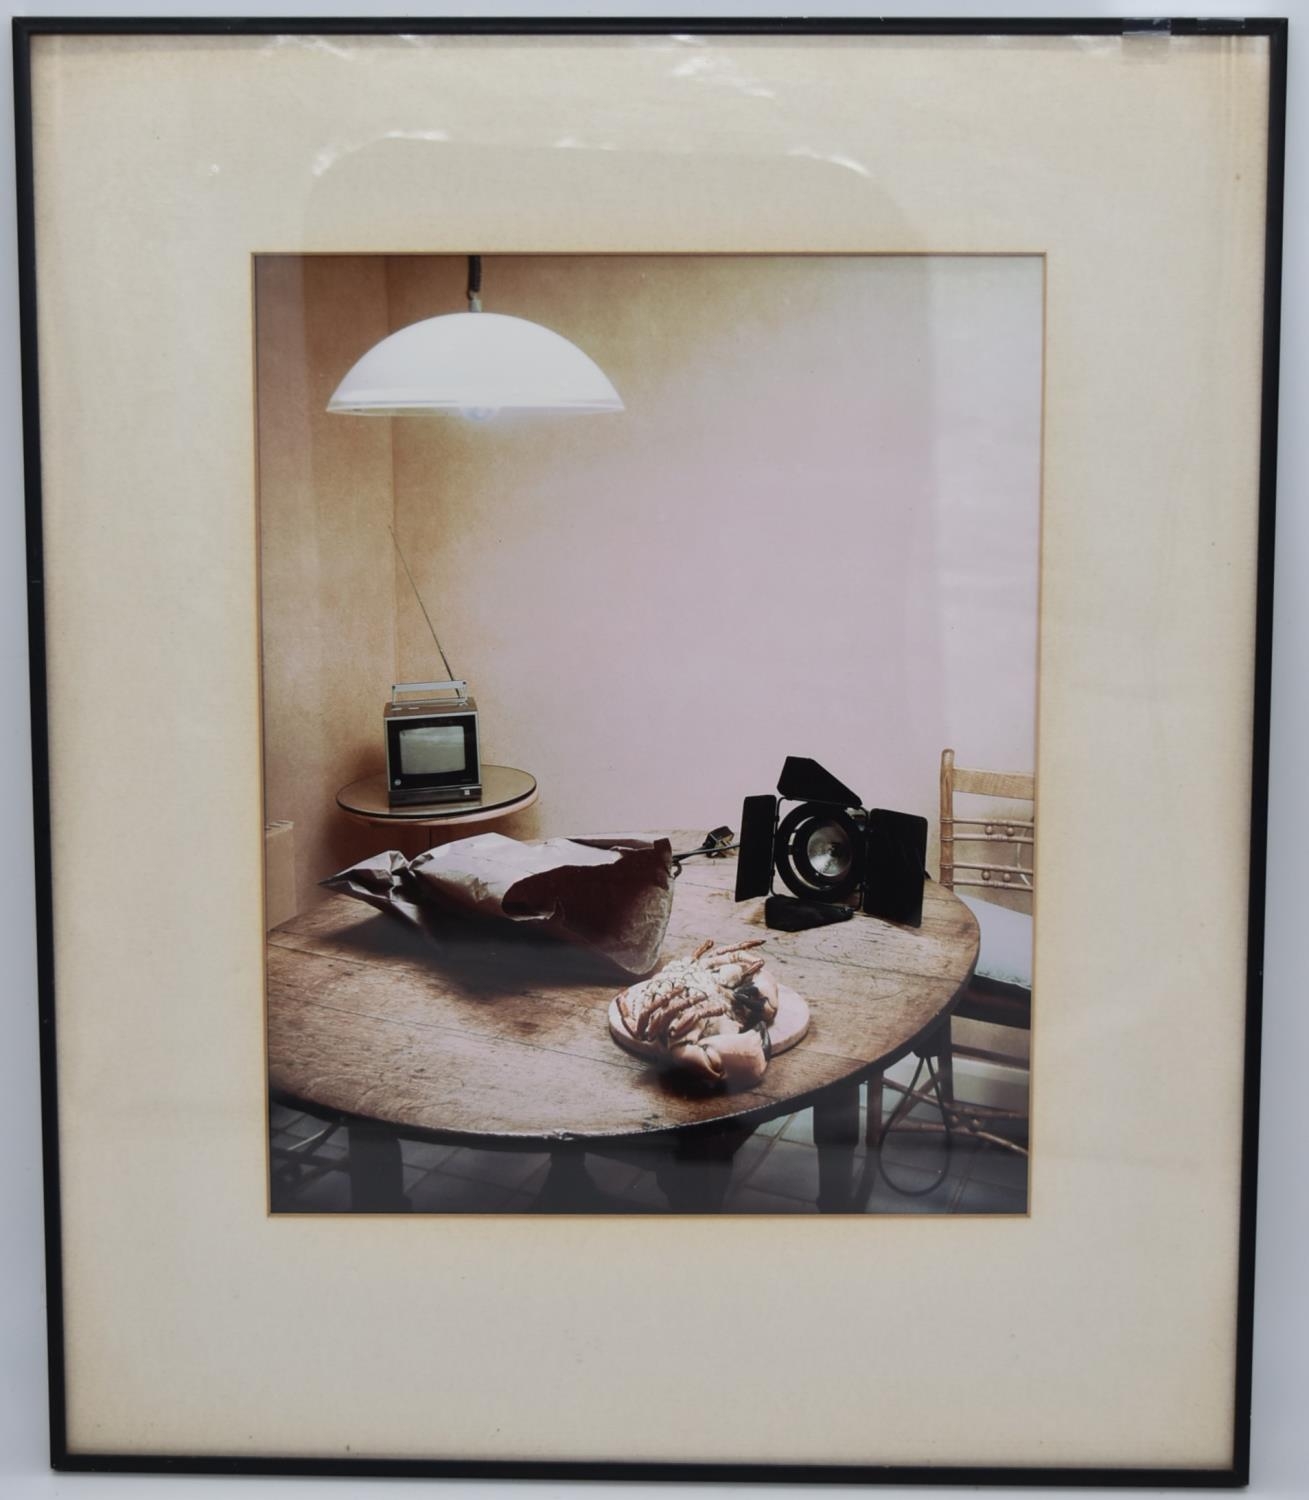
829	851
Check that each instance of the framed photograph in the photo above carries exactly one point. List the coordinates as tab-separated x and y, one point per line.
570	562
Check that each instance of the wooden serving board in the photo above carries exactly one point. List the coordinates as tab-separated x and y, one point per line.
789	1026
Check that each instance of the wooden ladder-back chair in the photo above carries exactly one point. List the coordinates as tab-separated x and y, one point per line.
987	858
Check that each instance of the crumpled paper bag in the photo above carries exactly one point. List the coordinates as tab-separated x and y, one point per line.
613	896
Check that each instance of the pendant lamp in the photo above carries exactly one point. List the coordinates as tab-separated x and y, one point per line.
474	363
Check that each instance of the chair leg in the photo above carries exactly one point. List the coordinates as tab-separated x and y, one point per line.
941	1050
944	1054
873	1127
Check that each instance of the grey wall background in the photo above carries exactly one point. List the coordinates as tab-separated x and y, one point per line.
1281	1467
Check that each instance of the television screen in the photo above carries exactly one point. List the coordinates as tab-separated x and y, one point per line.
432	750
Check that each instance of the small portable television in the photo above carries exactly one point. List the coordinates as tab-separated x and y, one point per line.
432	752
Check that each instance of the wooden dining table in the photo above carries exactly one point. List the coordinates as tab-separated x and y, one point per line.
495	1040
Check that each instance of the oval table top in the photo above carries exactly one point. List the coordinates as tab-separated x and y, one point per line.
505	789
507	1042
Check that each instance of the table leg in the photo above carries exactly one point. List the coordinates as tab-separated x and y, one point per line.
836	1133
568	1186
695	1172
424	836
374	1167
420	839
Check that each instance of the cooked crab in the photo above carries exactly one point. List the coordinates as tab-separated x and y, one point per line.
709	1012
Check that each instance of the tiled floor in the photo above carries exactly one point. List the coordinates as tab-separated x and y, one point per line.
774	1171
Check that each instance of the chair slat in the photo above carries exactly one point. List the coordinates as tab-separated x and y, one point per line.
995	784
993	838
994	820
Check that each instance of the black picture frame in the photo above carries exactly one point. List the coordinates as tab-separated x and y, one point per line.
25	31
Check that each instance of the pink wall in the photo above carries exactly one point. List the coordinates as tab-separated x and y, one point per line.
814	530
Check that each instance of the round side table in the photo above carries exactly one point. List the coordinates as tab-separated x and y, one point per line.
505	790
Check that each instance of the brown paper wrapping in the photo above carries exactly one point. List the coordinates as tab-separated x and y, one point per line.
612	896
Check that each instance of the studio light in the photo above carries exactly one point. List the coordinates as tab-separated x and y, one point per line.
833	855
476	364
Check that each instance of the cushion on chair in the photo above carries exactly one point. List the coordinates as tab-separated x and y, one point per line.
1006	948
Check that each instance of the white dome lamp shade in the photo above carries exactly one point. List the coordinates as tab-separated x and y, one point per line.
474	363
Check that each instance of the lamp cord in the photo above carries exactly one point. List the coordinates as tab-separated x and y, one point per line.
906	1103
449	672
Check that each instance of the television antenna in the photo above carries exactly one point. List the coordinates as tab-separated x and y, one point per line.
449	671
